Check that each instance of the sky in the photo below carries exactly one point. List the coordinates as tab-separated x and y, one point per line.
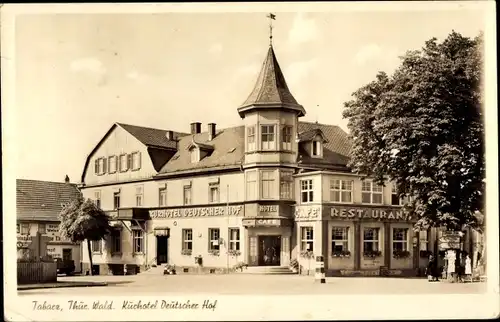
77	74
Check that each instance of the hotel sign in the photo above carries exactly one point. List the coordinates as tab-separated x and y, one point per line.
369	213
271	208
195	212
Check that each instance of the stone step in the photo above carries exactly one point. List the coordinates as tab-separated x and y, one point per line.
267	270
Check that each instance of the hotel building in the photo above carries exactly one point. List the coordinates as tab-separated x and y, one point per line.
265	192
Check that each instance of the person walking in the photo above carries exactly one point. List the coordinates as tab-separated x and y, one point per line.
431	269
468	269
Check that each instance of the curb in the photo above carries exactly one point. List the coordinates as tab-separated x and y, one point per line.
65	285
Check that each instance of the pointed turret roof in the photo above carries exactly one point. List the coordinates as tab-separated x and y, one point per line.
271	90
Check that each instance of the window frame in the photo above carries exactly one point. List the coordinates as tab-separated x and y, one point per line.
44	230
110	162
340	190
120	161
194	155
93	244
97	198
211	239
251	138
211	187
187	243
234	243
372	192
345	241
307	238
139	196
268	145
116	197
372	241
187	188
270	181
316	148
286	137
251	185
132	166
116	240
286	184
137	241
309	191
25	229
404	242
162	197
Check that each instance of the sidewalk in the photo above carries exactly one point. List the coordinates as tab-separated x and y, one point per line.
60	284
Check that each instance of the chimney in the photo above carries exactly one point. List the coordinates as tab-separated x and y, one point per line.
211	131
195	128
170	135
66	179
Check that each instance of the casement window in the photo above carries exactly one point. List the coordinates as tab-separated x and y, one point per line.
340	239
371	192
307	239
25	229
162	197
124	162
138	241
395	200
139	196
187	239
100	166
371	239
136	161
424	241
268	137
97	198
251	187
116	199
213	193
316	149
42	229
213	242
112	164
251	138
286	184
116	241
306	191
96	246
18	228
268	179
341	190
234	238
187	195
400	239
286	138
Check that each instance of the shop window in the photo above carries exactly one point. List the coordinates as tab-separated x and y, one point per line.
371	192
400	239
116	241
136	161
286	184
214	193
187	195
96	246
138	196
251	185
341	191
214	235
371	240
251	138
268	179
42	229
268	137
187	239
138	238
116	199
97	198
234	238
306	191
286	138
112	164
340	239
25	229
162	197
307	239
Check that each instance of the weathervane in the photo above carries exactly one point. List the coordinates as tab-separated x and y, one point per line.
271	17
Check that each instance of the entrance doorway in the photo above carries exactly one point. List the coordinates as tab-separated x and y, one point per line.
67	254
269	250
161	250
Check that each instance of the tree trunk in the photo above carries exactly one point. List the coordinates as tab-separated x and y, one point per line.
90	257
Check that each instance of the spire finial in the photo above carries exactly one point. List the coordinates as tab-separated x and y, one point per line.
271	17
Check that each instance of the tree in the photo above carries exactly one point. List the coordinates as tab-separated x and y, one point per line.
83	220
422	129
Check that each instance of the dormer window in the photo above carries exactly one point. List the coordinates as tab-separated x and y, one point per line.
194	155
317	149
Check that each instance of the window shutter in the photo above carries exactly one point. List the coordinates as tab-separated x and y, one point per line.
96	166
129	161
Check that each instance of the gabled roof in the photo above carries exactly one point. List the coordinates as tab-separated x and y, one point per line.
43	200
310	135
152	137
271	89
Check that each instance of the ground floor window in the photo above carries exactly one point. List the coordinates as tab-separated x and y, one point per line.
214	235
371	240
400	239
187	239
138	241
340	239
96	246
306	236
234	238
116	241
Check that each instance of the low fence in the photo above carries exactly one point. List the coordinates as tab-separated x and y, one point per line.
36	272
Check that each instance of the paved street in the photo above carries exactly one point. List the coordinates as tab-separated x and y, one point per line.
235	284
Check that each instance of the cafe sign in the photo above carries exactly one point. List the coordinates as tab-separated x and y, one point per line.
195	212
369	213
307	213
263	222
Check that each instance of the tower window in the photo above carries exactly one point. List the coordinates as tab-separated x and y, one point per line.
268	137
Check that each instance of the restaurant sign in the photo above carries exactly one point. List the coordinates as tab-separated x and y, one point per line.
195	212
369	213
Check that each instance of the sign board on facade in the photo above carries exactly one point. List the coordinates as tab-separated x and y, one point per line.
195	212
262	222
312	212
369	213
270	208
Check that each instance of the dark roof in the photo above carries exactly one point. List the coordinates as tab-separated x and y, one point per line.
152	137
271	88
202	146
43	200
228	149
309	135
